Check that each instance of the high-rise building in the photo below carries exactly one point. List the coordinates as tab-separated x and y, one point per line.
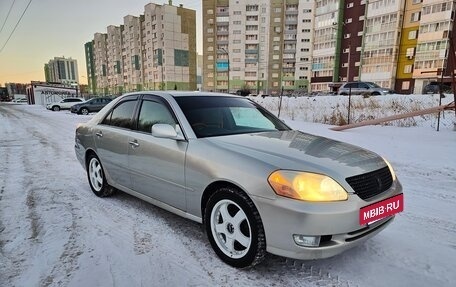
153	51
62	70
435	50
407	50
90	65
381	40
261	45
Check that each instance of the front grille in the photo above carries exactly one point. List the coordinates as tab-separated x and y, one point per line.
372	183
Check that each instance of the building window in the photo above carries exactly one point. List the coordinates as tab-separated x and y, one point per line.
210	11
415	17
412	34
405	85
407	69
410	53
251	8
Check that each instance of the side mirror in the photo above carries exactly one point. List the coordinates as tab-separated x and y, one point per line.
165	131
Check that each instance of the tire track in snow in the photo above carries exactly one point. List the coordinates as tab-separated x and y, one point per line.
44	197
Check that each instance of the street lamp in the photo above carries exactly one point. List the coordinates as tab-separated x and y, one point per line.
228	72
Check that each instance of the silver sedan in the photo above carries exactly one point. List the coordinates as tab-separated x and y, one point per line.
224	161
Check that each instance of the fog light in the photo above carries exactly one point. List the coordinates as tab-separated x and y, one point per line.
307	241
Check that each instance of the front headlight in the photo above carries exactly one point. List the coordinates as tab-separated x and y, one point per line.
306	186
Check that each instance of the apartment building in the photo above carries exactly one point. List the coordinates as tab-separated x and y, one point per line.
90	67
153	51
381	41
434	56
114	58
62	70
261	45
405	82
100	53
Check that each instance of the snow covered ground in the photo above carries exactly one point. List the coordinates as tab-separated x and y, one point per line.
55	232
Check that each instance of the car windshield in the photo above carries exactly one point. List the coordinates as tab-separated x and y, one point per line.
217	116
372	85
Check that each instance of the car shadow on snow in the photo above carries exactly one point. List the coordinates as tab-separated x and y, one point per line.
274	269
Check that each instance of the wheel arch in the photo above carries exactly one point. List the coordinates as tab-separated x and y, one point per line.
87	155
213	187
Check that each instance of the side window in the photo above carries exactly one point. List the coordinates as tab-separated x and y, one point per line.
363	86
154	113
121	115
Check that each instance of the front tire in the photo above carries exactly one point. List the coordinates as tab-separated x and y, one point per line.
84	111
97	179
56	108
234	228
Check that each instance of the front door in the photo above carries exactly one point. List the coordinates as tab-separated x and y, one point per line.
157	164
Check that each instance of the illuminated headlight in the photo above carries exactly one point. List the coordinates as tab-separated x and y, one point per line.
306	241
306	186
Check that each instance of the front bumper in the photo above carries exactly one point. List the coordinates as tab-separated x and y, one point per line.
336	222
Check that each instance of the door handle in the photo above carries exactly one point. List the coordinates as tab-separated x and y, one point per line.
99	134
134	143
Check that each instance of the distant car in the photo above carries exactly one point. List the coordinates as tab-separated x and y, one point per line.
224	161
90	106
362	88
434	88
21	100
64	104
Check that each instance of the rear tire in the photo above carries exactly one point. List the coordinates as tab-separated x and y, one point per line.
234	228
97	179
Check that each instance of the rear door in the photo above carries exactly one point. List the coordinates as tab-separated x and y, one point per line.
111	139
96	105
157	164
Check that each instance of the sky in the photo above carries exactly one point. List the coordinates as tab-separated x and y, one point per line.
56	28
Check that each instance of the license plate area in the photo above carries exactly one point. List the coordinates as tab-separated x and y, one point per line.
379	210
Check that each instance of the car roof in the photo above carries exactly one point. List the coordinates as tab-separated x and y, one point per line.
176	94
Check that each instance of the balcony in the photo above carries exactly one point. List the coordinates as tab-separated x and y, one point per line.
251	51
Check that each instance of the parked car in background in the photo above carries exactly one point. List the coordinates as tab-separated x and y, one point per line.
434	88
226	162
90	106
64	104
21	100
363	88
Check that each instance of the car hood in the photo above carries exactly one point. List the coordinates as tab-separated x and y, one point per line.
295	150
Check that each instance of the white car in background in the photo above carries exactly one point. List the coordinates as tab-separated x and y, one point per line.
64	104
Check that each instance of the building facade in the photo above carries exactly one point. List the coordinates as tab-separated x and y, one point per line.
297	45
90	66
434	53
262	45
62	70
153	51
